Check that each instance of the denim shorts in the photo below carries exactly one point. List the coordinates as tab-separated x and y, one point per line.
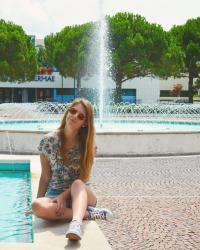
51	193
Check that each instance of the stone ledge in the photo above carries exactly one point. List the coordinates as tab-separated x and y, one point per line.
51	235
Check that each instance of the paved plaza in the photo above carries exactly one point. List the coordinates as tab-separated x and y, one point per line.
155	201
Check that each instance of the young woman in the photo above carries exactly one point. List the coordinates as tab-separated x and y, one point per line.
66	159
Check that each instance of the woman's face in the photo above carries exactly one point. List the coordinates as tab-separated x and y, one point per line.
76	116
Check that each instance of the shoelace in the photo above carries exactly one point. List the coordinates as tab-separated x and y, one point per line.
98	215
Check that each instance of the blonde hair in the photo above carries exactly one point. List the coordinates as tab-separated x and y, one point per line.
86	138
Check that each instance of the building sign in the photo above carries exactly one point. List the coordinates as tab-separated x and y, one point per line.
46	78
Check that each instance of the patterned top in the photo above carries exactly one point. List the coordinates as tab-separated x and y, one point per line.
62	175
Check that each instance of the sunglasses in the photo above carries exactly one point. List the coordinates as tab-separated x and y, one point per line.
80	116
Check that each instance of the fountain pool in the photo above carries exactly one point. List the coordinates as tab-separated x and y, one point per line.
133	137
116	125
140	133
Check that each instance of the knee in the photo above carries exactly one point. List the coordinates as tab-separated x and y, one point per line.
37	209
35	205
78	185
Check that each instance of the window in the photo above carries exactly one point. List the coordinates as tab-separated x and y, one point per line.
65	91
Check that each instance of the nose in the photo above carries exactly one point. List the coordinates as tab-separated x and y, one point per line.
75	116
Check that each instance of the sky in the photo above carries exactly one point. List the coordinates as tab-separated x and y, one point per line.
43	17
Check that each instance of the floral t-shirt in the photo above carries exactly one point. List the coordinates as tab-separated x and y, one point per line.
62	175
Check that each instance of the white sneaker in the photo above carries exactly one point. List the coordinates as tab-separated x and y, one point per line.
74	231
96	213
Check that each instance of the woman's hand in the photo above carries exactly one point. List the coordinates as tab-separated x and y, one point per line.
60	200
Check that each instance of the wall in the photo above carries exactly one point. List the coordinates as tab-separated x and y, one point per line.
170	82
113	144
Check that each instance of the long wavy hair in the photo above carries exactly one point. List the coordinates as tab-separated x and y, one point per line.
86	138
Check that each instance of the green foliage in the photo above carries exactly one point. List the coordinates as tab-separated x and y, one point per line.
42	57
67	50
197	84
188	37
140	49
18	60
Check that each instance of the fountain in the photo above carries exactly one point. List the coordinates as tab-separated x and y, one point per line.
122	129
159	129
103	60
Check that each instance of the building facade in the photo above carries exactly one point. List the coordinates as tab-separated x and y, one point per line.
51	86
54	87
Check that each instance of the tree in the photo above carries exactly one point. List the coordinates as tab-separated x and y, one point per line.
188	37
176	91
50	43
69	51
42	57
18	60
139	49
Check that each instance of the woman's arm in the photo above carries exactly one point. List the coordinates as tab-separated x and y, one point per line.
45	176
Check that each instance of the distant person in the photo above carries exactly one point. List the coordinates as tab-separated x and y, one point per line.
66	157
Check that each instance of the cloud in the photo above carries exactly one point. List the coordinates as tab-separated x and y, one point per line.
42	17
164	12
30	14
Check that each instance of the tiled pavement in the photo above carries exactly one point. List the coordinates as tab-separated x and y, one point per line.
156	202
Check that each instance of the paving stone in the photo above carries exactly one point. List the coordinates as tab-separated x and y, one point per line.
155	201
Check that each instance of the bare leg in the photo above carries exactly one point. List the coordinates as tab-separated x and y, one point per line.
79	200
45	208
